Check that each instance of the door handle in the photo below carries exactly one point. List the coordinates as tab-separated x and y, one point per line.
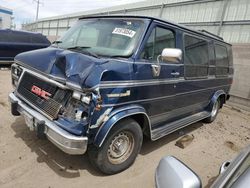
175	73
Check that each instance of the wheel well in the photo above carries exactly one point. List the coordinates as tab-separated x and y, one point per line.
142	120
222	99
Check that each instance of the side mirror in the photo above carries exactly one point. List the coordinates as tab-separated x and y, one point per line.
173	173
171	54
168	54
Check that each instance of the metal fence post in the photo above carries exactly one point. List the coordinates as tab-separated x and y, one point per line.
161	10
223	12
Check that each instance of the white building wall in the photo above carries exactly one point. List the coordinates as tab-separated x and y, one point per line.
228	18
5	18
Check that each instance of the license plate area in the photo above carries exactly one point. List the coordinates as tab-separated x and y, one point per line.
29	120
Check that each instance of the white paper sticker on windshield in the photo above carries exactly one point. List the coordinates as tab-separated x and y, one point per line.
125	32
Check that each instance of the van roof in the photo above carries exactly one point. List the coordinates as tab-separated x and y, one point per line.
17	31
9	35
199	32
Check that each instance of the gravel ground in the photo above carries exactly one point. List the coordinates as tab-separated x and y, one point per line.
26	161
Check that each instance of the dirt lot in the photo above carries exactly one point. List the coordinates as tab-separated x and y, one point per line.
26	161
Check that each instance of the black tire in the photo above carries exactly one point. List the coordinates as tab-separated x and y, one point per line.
214	112
129	132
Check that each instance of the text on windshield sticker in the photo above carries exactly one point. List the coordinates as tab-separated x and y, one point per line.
125	32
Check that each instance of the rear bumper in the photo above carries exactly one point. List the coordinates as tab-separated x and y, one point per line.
71	144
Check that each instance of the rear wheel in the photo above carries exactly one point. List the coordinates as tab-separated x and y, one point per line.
214	112
120	148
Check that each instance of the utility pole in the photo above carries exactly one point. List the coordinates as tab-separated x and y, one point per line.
37	7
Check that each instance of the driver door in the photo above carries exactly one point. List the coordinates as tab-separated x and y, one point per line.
157	91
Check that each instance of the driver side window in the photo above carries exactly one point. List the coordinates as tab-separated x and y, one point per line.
159	39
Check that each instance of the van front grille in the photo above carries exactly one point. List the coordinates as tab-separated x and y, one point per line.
50	105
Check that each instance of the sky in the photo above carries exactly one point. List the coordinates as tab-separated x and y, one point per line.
25	10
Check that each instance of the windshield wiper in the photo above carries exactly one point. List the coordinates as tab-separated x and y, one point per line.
57	42
84	50
122	56
78	47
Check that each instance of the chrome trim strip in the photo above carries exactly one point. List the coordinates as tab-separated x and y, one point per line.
69	143
167	133
136	83
42	77
166	79
73	86
163	97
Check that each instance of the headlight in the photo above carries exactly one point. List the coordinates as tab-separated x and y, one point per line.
76	110
16	72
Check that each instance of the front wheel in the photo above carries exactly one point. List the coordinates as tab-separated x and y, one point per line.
120	148
214	112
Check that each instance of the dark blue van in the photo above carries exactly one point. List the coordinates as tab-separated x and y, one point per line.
13	42
110	80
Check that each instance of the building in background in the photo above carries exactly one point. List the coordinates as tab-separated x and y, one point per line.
229	19
5	18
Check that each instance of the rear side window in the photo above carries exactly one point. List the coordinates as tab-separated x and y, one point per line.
196	57
20	37
159	39
4	37
222	60
39	39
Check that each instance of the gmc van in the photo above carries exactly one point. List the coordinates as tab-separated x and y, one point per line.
110	80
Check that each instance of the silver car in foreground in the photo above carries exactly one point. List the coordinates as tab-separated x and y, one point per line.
173	173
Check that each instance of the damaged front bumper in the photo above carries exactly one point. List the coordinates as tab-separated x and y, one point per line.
69	143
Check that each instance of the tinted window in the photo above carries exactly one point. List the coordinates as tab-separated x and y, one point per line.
222	61
159	39
39	39
4	36
196	57
20	37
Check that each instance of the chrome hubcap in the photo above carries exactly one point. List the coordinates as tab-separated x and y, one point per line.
215	109
121	147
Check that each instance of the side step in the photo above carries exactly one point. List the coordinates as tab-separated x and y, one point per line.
171	127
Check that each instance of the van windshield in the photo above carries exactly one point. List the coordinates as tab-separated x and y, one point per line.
104	37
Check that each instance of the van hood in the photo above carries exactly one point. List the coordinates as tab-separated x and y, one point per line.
68	66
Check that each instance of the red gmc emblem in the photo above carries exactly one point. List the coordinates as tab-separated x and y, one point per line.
38	91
